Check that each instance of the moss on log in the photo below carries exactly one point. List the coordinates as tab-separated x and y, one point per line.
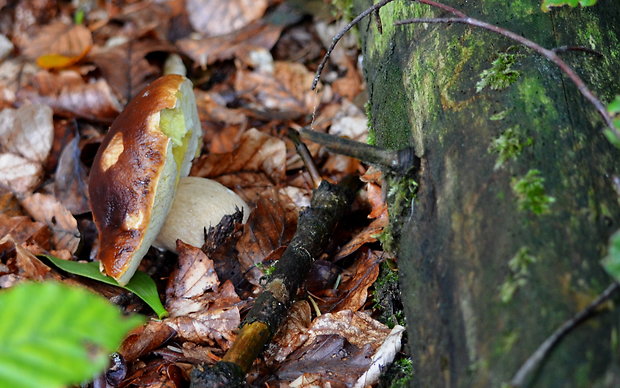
515	203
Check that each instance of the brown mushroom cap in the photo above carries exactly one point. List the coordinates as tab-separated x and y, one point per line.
135	173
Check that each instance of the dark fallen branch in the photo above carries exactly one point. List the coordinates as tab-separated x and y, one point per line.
315	227
399	161
548	54
534	361
340	34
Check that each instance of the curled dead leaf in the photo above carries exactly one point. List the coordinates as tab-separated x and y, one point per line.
58	45
26	139
214	17
286	91
145	339
205	51
256	151
68	94
70	180
269	228
47	209
193	276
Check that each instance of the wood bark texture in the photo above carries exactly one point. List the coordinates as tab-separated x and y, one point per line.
471	236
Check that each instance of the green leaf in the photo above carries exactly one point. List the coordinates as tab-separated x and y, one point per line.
140	284
547	4
52	335
611	262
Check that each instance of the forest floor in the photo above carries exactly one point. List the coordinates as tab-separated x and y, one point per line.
252	64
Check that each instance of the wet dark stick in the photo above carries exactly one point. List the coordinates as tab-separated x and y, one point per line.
398	161
315	227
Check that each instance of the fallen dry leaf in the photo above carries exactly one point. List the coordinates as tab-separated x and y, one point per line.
269	228
292	333
214	17
27	131
125	67
256	151
353	292
22	229
370	233
59	45
68	94
70	180
199	354
145	339
47	209
193	276
211	327
285	92
19	174
18	264
26	139
156	373
329	361
206	51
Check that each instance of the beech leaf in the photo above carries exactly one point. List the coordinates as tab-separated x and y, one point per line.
53	335
140	284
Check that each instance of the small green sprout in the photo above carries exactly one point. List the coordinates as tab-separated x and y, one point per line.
500	75
508	146
519	272
530	192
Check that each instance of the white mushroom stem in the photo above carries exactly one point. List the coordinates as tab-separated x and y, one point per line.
199	203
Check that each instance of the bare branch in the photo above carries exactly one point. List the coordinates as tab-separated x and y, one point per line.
534	361
340	34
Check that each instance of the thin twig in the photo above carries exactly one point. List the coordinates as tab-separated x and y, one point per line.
306	157
534	361
563	49
549	54
445	7
339	36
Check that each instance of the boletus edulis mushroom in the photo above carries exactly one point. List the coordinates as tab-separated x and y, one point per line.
138	171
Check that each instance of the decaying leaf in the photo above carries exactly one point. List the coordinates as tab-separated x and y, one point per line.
215	325
269	228
156	373
256	151
190	280
58	45
292	333
26	139
18	264
205	51
71	182
22	229
283	93
68	94
47	209
353	292
369	234
19	174
214	17
145	339
338	350
125	67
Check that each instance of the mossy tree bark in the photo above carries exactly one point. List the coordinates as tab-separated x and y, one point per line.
474	235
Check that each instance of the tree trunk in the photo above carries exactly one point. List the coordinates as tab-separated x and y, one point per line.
490	264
